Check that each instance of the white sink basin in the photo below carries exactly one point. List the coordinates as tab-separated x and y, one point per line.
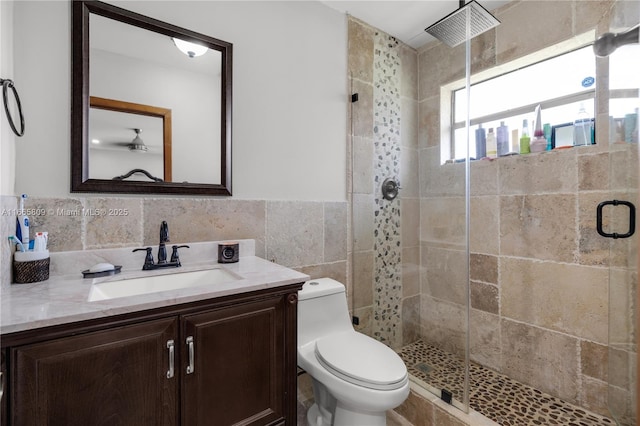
156	283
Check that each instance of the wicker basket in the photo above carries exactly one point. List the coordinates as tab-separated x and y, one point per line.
31	271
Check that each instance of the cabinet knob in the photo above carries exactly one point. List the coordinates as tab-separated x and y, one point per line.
292	298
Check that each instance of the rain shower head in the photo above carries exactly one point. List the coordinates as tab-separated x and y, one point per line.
452	29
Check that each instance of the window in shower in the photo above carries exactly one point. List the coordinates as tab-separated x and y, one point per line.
624	97
561	85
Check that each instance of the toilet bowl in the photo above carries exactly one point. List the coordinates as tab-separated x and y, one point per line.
356	379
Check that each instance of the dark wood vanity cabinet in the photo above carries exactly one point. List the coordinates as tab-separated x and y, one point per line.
239	362
110	377
220	363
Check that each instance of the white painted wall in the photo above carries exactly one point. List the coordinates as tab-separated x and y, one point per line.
7	138
289	93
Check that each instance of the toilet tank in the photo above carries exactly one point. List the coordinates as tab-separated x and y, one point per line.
322	310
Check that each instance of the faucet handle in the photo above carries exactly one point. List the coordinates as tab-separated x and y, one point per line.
175	258
148	260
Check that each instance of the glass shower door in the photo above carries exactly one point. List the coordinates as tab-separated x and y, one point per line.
624	83
618	217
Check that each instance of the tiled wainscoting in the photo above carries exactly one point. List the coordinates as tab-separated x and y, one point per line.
308	236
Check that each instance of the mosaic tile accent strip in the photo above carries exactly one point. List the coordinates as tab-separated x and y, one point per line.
498	397
387	295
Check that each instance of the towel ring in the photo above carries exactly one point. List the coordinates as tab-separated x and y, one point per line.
8	84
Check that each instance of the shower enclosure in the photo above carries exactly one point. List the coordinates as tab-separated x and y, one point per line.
490	275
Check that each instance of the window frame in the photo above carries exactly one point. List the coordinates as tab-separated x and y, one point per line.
447	92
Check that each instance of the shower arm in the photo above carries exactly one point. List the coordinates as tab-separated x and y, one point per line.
628	37
609	42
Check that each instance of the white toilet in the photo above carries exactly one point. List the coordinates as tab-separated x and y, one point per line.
356	379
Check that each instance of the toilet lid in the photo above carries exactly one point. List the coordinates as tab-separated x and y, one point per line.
361	360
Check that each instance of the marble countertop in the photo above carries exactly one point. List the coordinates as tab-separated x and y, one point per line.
64	298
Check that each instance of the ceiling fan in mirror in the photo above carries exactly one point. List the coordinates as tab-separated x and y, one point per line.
135	145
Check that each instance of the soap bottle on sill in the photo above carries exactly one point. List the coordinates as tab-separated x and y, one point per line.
492	146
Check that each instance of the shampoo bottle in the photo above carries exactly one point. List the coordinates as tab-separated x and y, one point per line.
22	223
502	139
481	140
492	146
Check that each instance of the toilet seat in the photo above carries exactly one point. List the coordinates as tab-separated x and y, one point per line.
361	360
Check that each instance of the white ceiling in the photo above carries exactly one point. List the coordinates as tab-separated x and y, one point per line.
405	20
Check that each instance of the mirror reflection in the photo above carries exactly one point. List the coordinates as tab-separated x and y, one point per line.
118	129
158	107
151	69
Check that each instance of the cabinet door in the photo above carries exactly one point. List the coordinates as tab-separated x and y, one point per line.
116	377
3	394
238	365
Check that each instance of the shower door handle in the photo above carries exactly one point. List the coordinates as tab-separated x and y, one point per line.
632	219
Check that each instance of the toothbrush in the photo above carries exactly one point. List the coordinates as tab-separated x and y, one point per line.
17	242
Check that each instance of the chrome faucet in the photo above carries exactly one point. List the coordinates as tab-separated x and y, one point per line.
149	264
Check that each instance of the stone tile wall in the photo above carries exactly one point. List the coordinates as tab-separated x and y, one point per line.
544	302
387	268
383	144
307	236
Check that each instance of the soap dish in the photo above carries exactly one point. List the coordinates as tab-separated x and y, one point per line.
116	270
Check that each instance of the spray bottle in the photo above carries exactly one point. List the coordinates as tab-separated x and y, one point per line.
582	128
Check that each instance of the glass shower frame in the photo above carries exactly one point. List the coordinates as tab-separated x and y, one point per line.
455	190
623	97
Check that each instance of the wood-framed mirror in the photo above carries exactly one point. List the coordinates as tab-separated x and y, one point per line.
128	60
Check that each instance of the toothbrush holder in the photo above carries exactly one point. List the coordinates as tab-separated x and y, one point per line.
30	266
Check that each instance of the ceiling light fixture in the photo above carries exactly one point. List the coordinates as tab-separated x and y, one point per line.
190	49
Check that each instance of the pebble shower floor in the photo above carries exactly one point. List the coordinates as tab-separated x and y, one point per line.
501	399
